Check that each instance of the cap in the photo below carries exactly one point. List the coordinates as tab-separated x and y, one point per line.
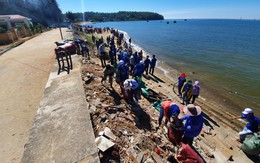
197	83
127	84
192	110
174	109
182	75
247	111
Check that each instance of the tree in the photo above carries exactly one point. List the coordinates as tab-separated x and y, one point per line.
71	16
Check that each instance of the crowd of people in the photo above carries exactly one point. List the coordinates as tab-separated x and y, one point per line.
124	62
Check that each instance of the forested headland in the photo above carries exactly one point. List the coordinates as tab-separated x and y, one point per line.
118	16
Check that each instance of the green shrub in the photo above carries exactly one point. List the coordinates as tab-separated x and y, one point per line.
2	30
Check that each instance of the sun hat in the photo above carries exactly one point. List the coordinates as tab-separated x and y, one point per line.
247	111
192	110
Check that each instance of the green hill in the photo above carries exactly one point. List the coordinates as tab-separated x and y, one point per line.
119	16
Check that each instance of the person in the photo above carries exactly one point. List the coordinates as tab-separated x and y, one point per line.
101	50
168	109
146	64
112	56
84	48
131	87
130	40
152	65
186	90
193	123
93	38
132	63
122	74
109	70
180	82
195	91
251	127
139	69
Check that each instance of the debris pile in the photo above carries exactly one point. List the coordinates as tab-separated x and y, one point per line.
124	133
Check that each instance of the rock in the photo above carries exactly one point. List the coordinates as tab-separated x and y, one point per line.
230	158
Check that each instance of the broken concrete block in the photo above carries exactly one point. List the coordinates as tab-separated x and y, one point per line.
103	143
109	133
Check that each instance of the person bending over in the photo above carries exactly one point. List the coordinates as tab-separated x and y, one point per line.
168	109
251	127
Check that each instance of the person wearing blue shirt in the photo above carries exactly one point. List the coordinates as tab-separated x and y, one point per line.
132	88
180	82
193	123
152	65
168	109
139	69
146	64
251	127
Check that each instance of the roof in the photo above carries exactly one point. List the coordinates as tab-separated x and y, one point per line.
14	17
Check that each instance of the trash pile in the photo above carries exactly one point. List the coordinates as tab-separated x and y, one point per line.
127	137
124	133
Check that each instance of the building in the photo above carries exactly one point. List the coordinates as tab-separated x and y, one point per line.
10	21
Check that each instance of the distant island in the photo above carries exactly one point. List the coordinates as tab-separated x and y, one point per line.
118	16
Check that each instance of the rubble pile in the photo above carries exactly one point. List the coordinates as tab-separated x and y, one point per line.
124	133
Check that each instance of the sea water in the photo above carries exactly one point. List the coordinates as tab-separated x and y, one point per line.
224	55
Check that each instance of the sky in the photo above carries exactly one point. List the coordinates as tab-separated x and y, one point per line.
171	9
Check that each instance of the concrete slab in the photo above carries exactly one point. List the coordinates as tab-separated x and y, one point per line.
62	130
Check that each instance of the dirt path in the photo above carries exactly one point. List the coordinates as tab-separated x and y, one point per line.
24	72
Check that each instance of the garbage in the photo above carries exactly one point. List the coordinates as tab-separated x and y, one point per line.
109	133
103	143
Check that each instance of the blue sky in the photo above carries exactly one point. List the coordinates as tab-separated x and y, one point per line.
230	9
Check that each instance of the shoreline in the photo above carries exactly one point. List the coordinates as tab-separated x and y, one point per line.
207	93
217	141
209	97
236	96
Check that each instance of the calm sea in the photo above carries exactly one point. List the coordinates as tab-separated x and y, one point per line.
223	54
